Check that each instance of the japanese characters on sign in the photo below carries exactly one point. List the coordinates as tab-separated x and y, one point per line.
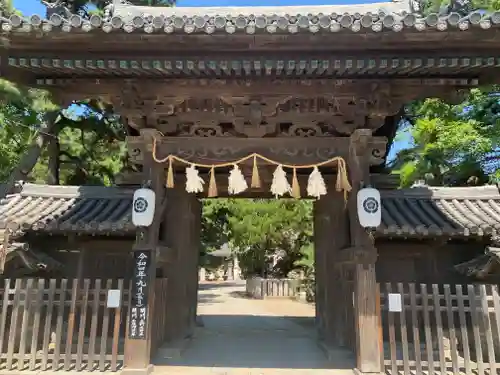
139	307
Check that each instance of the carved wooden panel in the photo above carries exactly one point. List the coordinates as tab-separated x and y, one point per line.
259	116
257	107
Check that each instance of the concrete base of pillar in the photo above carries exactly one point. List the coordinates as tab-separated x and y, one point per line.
137	371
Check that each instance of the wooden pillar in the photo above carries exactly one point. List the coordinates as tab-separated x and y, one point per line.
331	234
366	304
182	235
195	263
138	351
80	270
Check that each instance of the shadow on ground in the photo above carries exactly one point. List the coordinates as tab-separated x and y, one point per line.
258	342
219	285
240	294
207	298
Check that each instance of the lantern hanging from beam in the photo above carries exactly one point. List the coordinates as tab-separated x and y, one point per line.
143	207
369	208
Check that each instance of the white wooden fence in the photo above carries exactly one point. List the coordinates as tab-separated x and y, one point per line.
261	288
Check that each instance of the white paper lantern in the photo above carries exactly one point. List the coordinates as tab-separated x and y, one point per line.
143	207
369	208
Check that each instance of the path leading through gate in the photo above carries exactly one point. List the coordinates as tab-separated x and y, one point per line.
242	336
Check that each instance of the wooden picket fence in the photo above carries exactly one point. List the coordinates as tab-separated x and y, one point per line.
444	329
261	288
62	325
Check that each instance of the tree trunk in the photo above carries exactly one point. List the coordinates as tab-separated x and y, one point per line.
30	158
53	168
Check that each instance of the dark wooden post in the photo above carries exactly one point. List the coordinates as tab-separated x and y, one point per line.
182	235
320	217
331	299
138	350
366	313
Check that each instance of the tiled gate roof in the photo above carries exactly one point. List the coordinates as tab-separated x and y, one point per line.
453	212
376	17
80	209
417	212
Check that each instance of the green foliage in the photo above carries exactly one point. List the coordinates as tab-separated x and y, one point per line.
92	141
7	7
258	229
215	230
21	111
435	6
93	149
308	260
452	144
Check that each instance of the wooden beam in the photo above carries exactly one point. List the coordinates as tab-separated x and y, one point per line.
117	90
217	150
379	181
123	45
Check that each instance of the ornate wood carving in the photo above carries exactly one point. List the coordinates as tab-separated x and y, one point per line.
218	150
257	107
257	116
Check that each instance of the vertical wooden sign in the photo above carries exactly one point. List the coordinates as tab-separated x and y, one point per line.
140	285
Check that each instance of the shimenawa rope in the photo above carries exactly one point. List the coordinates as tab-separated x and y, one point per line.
237	183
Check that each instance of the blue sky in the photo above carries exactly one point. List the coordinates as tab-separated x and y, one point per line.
29	7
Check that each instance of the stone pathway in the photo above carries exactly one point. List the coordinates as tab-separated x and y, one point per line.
242	336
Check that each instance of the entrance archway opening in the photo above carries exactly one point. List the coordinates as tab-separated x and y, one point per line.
256	301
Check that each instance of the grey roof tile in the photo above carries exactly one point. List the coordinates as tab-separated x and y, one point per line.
57	209
469	211
417	212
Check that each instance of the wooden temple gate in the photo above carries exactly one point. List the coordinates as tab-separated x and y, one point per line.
295	88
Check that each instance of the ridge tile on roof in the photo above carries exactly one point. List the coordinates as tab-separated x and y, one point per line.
375	17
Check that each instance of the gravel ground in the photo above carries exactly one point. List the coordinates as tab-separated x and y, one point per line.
244	336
